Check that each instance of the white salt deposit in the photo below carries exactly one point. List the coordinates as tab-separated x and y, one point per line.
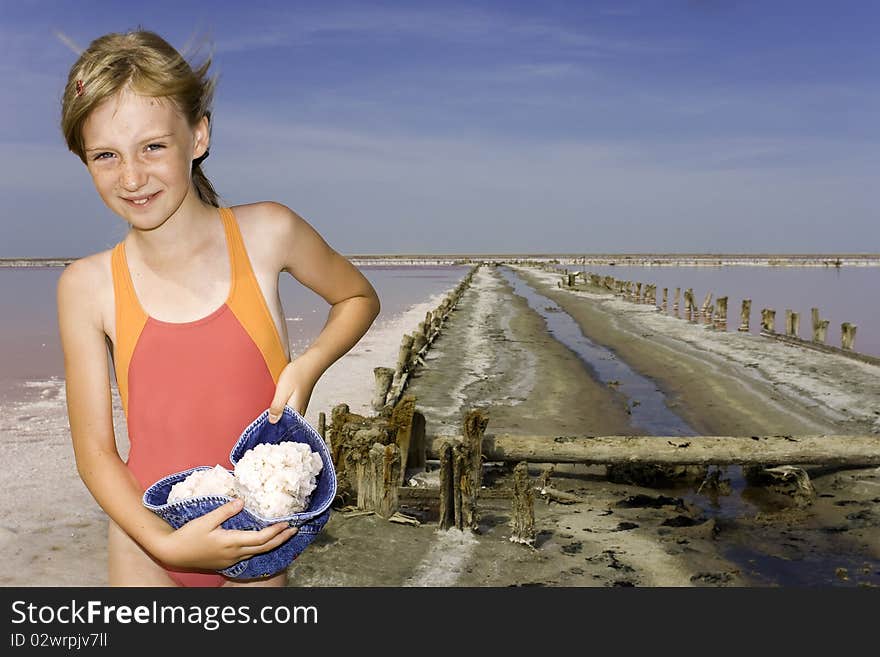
276	480
216	481
273	480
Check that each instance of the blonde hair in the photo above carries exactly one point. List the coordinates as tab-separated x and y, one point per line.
147	64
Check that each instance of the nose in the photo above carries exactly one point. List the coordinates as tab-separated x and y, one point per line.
132	176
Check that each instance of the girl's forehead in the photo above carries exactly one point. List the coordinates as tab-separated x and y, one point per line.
128	114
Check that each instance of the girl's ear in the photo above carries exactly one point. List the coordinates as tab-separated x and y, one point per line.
202	134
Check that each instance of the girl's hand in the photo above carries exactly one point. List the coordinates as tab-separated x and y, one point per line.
294	389
202	543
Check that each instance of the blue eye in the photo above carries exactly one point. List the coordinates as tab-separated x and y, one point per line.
157	145
100	156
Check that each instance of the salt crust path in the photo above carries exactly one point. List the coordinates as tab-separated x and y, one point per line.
53	533
445	559
796	372
490	296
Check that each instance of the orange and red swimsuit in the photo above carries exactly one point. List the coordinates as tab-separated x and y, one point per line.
189	389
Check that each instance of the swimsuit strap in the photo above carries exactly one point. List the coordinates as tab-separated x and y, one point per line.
130	321
248	303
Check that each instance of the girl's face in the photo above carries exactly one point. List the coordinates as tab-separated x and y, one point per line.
139	152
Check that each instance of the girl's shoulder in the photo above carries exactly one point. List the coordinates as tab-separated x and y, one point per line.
91	279
264	215
268	230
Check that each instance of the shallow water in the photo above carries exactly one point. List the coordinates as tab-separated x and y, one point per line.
647	403
805	570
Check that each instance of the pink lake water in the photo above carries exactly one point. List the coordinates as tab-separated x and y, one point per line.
30	348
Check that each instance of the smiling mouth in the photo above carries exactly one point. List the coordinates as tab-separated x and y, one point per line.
141	202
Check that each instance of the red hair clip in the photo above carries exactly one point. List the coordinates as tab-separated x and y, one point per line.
79	88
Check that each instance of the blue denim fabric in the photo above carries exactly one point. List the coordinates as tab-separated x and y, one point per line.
290	427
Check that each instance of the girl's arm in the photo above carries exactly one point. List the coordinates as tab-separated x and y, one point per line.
198	544
303	253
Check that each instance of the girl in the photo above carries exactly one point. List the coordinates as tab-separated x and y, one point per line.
187	304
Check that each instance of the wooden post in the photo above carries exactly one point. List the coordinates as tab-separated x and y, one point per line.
336	419
384	377
400	372
523	520
419	341
382	480
322	427
358	455
792	323
745	314
416	458
447	497
665	304
820	327
401	424
768	320
689	304
404	352
706	301
471	478
847	335
707	315
638	293
721	314
457	467
675	300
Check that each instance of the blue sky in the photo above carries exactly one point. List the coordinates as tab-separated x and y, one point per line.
674	126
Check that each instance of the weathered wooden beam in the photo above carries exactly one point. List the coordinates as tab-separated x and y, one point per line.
402	424
457	467
745	314
415	458
447	502
676	450
377	488
847	335
475	423
384	376
523	511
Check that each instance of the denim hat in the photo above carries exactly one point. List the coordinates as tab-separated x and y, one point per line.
290	427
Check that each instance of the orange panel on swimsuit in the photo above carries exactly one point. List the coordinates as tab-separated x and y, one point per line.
189	389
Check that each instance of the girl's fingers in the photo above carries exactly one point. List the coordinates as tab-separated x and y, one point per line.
248	539
271	544
222	513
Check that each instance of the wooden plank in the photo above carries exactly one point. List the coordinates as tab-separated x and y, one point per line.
677	450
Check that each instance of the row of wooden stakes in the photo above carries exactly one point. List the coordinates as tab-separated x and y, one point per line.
391	383
714	315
